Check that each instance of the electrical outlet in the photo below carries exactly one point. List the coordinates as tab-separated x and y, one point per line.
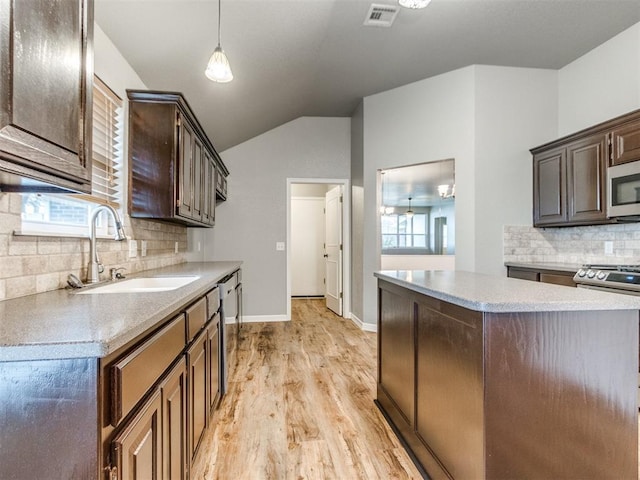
608	248
143	248
133	248
176	247
280	246
199	247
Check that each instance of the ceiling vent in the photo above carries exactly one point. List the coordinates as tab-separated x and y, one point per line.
381	15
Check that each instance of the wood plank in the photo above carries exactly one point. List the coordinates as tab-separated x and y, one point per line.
300	405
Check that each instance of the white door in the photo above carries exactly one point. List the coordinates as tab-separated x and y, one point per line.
307	246
333	249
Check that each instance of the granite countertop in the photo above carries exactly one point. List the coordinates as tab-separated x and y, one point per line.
559	267
489	293
63	324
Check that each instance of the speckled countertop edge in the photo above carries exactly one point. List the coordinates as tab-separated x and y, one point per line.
62	324
495	294
559	267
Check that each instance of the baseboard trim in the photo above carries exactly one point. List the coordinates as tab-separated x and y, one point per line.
259	318
370	327
367	327
358	323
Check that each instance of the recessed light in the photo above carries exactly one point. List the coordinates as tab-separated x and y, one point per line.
414	4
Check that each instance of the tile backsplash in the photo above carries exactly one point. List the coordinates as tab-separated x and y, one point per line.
576	245
34	264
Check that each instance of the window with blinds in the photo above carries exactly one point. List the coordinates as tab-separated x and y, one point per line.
69	214
106	186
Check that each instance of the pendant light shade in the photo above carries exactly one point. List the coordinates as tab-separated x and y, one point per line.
414	4
218	68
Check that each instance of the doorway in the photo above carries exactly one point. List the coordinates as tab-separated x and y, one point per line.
317	265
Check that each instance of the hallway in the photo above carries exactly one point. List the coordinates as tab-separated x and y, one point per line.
300	405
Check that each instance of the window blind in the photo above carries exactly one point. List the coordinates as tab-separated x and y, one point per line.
107	146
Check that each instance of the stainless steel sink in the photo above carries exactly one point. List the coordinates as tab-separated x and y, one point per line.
142	285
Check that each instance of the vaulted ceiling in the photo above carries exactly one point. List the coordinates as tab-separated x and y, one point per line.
293	58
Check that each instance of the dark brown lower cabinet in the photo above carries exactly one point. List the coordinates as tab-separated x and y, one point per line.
198	385
137	450
396	370
449	403
139	413
544	275
174	423
485	395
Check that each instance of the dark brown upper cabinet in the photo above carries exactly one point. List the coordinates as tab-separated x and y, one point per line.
45	95
625	143
173	166
569	174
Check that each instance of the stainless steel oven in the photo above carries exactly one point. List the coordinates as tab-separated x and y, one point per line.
623	279
623	192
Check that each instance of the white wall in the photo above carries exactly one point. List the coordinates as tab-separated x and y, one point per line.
515	110
253	219
357	213
602	84
486	118
424	121
417	262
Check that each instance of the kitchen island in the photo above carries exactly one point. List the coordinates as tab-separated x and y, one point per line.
501	378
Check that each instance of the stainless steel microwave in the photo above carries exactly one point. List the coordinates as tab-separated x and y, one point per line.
623	193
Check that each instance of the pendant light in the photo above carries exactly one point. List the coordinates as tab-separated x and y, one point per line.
218	68
409	213
384	210
414	4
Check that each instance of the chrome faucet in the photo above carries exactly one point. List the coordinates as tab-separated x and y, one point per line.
95	268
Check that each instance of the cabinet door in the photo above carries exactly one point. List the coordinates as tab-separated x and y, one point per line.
198	179
449	390
208	189
213	352
45	92
186	163
625	143
549	187
174	423
221	186
137	450
198	405
586	180
396	351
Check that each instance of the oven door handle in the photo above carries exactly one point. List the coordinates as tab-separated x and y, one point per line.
609	290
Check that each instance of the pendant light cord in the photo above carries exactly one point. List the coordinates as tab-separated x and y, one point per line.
219	10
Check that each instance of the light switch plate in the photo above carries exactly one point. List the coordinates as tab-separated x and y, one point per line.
133	248
143	248
280	246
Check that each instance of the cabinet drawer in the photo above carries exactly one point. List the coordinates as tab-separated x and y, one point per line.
213	302
135	374
557	279
523	274
196	318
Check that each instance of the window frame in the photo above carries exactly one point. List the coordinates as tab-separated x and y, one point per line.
409	220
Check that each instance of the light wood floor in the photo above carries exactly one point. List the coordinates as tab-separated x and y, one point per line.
300	406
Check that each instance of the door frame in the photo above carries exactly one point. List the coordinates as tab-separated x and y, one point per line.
346	238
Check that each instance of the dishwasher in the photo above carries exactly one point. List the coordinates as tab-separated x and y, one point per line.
231	323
